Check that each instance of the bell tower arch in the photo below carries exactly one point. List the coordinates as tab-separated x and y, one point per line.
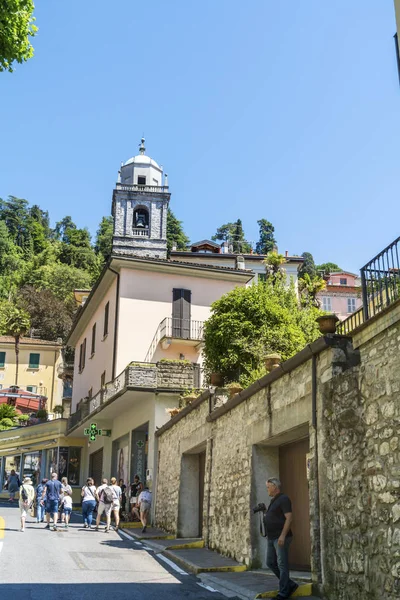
139	207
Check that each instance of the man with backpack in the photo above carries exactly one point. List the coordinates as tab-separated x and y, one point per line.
26	499
52	491
105	496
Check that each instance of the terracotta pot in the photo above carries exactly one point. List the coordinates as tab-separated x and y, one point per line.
272	361
327	323
216	379
188	399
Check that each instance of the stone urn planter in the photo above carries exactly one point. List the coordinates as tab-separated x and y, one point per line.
172	411
186	400
216	379
272	361
233	389
327	323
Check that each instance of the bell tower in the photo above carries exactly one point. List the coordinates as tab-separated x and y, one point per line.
139	207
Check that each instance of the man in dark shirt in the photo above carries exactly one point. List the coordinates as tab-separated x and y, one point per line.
277	520
51	492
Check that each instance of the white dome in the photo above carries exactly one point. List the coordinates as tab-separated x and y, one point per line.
142	159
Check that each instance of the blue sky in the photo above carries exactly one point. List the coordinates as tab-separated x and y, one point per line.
281	110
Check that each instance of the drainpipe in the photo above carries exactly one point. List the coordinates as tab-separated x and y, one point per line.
209	456
114	362
314	417
54	375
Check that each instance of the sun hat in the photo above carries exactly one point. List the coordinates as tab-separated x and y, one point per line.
27	480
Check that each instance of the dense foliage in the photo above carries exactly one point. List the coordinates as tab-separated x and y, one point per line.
267	241
16	27
41	266
248	323
328	267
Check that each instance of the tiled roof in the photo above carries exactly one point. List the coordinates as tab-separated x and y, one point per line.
168	261
8	339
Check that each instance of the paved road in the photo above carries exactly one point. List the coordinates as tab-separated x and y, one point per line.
83	564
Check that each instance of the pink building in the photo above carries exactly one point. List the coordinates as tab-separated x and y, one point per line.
342	294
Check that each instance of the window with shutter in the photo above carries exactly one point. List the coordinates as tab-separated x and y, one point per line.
181	312
34	361
2	360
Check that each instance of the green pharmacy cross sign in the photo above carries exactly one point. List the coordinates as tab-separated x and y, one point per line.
93	432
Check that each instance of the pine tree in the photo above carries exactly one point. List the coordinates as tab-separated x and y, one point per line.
267	241
175	234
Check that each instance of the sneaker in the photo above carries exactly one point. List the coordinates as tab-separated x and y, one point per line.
96	528
85	526
144	529
54	528
22	529
47	526
107	529
293	588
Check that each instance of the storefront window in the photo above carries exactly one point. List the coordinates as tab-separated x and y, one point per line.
74	465
62	462
52	460
11	463
32	466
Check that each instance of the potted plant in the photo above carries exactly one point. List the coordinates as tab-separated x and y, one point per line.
234	388
42	414
59	410
216	379
188	396
23	420
327	323
272	361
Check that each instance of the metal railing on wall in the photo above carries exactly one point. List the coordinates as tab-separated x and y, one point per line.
380	280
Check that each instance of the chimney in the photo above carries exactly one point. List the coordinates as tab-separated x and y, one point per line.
240	264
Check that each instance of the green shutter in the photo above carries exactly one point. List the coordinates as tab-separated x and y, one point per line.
34	361
2	359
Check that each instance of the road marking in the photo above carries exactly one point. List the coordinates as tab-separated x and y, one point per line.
2	525
207	587
124	534
147	548
138	543
172	565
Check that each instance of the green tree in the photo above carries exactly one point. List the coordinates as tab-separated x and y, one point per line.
233	233
309	289
273	264
104	235
49	315
15	322
248	323
328	267
16	27
267	241
175	234
61	279
308	266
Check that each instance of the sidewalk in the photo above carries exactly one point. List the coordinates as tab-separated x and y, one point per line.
216	571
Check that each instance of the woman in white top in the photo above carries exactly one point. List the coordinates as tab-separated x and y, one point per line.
116	505
88	502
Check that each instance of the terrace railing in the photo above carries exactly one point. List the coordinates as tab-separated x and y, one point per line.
380	280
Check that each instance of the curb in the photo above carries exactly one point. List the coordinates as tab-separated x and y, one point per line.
303	590
192	568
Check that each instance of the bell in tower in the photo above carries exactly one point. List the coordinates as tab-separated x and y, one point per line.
139	207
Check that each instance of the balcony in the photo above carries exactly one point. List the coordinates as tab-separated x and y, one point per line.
138	232
162	377
154	189
170	329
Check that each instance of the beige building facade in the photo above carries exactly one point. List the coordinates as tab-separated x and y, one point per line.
39	361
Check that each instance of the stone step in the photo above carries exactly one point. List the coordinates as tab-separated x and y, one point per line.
250	585
152	533
202	560
130	525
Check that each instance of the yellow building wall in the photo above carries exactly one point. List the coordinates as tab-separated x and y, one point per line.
44	378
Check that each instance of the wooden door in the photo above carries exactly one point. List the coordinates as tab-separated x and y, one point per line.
96	466
202	471
293	475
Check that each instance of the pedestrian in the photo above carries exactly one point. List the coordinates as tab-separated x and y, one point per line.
52	491
144	502
116	504
105	496
39	504
135	489
123	497
26	499
65	488
277	521
66	507
88	494
13	484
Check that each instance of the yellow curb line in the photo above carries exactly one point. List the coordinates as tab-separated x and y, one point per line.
2	526
128	525
231	569
198	544
302	590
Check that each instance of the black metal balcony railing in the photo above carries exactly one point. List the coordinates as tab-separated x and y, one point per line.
380	280
182	329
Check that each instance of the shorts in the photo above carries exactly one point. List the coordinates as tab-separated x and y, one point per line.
116	505
67	511
133	500
145	506
25	509
104	508
51	506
